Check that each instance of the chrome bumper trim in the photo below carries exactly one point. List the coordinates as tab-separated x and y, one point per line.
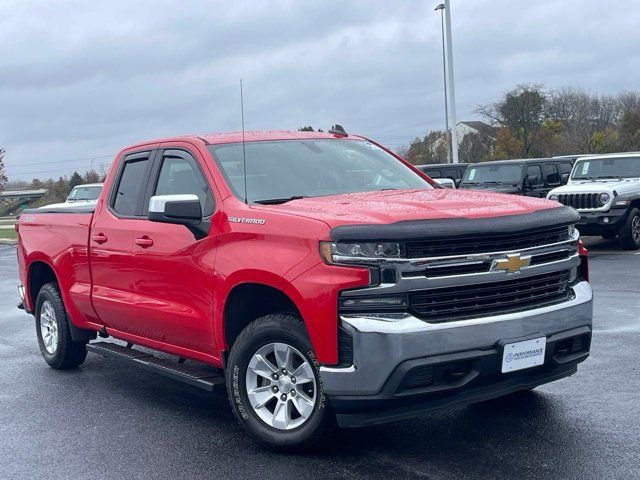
382	342
407	323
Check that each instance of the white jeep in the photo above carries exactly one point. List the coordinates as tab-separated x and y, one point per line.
605	189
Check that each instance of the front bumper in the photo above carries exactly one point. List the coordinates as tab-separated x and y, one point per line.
386	348
594	223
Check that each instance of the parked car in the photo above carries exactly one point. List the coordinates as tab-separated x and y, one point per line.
605	189
533	177
318	276
454	171
86	194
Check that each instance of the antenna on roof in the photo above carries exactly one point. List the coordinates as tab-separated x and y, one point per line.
244	153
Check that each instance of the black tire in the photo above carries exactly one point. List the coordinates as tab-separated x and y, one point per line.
609	235
630	232
277	328
64	353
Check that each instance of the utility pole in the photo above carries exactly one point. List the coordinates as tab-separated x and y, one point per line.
444	76
452	94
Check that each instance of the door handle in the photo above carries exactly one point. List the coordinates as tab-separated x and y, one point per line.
144	242
99	238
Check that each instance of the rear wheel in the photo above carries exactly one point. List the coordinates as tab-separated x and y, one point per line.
52	329
274	385
630	232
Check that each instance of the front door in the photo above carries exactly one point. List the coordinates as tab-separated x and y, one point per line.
172	271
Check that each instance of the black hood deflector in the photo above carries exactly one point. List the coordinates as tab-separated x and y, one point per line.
457	227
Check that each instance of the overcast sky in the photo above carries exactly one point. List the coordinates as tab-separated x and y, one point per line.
83	79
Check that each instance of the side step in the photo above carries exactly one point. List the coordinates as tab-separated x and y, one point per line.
201	377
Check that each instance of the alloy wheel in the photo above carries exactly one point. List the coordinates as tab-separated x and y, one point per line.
49	327
281	386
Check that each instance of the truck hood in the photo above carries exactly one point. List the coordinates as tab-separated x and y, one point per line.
394	206
494	188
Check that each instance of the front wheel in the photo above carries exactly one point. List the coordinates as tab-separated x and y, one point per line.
274	385
630	231
52	328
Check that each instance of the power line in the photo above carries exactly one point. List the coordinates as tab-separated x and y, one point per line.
39	172
97	157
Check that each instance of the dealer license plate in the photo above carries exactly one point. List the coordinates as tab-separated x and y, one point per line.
525	354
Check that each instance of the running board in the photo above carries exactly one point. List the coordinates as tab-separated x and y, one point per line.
196	376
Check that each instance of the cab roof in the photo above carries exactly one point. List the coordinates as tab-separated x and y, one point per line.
217	138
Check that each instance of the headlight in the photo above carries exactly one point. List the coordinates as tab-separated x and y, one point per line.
572	230
553	197
338	252
604	198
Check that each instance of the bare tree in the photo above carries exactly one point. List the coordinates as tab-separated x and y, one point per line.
3	173
521	112
475	147
588	121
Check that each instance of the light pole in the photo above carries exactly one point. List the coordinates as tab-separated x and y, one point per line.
452	93
444	77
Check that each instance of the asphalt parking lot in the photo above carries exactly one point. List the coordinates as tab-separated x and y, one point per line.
104	420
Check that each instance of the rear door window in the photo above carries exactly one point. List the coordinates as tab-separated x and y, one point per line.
126	199
551	174
534	171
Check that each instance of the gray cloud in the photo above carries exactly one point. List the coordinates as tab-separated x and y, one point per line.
83	79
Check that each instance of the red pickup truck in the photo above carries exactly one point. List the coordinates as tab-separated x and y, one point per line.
319	276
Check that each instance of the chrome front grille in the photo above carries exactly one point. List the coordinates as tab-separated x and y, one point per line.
447	288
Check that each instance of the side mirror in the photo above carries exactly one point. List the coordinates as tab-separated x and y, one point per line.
179	210
445	182
564	178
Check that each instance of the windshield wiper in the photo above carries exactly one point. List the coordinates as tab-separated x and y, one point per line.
277	201
610	176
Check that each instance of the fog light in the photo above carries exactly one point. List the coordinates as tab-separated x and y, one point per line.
605	219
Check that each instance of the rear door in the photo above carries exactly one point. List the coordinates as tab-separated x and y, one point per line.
172	271
111	240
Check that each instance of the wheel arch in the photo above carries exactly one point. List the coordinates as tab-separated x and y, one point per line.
249	300
39	273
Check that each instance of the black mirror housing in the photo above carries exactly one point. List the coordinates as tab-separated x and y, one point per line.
179	210
564	178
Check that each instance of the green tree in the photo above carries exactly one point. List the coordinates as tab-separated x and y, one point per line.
307	128
3	173
75	180
521	112
432	148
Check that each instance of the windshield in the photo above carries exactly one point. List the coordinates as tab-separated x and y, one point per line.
280	170
85	193
620	167
509	173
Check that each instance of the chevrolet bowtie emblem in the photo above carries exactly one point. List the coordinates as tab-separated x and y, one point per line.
512	264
